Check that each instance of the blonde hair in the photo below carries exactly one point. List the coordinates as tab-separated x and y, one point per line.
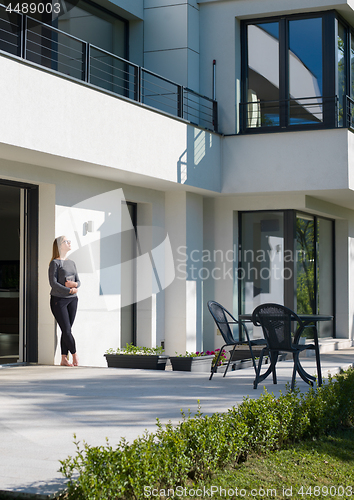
56	245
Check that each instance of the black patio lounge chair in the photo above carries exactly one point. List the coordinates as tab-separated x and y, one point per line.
242	349
276	322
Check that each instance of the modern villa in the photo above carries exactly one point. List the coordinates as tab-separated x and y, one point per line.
190	150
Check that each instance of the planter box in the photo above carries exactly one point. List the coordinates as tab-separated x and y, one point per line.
243	352
146	362
192	364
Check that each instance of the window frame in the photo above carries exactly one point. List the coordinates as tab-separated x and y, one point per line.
328	72
289	232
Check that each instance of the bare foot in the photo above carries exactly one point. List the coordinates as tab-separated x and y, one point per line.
75	360
65	361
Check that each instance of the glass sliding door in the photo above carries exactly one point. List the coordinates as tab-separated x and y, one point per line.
315	269
108	34
128	273
287	257
305	264
325	274
96	26
10	227
261	266
262	259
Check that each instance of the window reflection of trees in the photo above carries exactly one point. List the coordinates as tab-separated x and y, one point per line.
306	303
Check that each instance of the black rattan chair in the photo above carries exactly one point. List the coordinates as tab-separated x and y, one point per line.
223	320
276	322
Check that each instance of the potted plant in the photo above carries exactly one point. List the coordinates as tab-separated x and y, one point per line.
132	356
196	361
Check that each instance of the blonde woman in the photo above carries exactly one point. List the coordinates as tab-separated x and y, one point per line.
64	282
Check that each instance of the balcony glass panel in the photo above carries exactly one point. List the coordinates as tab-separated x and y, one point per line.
263	75
305	71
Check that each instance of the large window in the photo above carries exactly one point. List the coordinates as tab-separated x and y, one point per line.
63	46
297	72
108	34
284	73
287	257
96	26
262	259
284	87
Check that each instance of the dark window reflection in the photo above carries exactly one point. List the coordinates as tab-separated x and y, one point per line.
305	71
352	66
285	90
341	70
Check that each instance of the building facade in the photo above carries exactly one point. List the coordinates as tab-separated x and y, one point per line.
191	150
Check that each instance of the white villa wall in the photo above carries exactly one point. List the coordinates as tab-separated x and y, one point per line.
171	40
297	161
220	40
99	135
80	198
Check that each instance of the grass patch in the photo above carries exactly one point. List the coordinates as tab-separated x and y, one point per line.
320	468
326	463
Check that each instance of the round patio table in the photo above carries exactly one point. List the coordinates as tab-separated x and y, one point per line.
307	320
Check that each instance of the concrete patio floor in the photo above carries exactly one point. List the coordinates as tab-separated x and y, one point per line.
42	407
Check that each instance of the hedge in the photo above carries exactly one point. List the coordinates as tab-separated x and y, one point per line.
202	445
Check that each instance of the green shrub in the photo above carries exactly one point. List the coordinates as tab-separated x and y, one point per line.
201	445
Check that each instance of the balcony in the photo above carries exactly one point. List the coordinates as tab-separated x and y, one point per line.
297	114
47	47
291	114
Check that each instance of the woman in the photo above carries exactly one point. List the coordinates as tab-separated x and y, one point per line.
64	280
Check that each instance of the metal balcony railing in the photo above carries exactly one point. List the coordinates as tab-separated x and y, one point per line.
289	113
46	46
349	114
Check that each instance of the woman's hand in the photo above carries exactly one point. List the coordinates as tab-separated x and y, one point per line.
73	291
71	284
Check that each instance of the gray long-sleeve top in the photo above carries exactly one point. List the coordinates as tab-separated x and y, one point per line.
60	271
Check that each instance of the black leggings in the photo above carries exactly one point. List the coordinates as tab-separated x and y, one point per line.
64	311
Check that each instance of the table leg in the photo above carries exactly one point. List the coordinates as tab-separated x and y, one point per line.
306	377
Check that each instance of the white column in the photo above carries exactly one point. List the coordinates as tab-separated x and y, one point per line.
46	230
183	298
